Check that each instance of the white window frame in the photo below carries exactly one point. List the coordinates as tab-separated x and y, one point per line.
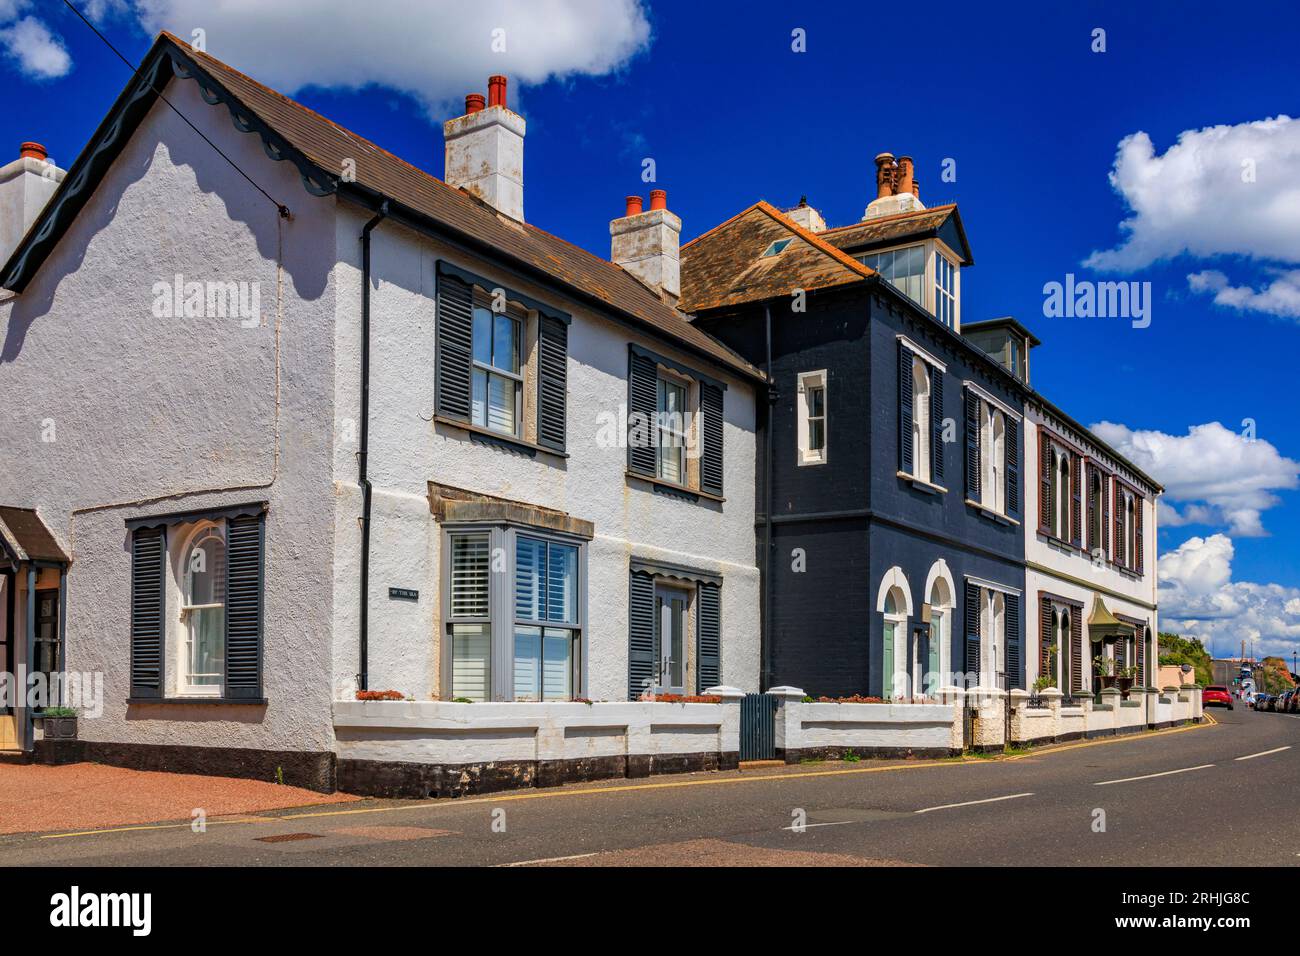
922	383
185	633
807	455
665	377
490	370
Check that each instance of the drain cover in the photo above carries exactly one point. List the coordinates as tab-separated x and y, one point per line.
286	837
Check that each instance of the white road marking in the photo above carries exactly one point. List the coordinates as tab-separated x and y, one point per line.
1104	783
971	803
1264	753
549	859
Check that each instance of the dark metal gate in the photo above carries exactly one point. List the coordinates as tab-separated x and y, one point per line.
758	727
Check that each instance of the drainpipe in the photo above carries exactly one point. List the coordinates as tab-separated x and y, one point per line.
765	633
363	450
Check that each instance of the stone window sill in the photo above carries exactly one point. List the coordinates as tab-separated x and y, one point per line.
531	449
174	701
920	484
991	514
671	488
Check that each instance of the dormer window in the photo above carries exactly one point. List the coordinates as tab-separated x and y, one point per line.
776	248
926	274
904	269
945	290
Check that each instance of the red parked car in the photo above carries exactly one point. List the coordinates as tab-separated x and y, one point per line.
1215	694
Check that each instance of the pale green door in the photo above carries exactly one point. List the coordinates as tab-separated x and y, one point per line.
933	681
887	664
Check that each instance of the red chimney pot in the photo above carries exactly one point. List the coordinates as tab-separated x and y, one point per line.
633	206
473	103
658	199
496	90
32	151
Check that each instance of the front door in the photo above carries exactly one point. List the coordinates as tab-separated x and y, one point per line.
670	637
887	661
45	660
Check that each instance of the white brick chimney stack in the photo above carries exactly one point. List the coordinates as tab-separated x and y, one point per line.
806	216
485	151
26	185
648	244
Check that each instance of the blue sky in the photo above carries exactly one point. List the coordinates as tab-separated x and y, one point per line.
1031	115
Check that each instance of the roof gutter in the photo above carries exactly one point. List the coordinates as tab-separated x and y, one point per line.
363	450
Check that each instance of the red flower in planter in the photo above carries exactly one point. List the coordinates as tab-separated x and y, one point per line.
379	695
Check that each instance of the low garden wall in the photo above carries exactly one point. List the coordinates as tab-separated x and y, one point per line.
440	748
1049	718
819	730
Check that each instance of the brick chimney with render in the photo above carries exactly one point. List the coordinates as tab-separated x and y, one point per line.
26	185
897	190
648	243
485	151
806	216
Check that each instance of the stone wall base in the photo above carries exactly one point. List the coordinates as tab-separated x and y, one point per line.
799	755
392	778
307	769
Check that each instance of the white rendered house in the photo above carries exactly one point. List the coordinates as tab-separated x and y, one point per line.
347	426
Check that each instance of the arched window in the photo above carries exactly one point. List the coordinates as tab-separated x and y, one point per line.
1130	531
998	461
937	665
920	420
1063	494
1095	523
893	666
993	634
203	612
1061	637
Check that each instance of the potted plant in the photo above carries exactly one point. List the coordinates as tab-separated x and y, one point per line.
1104	669
1125	680
60	723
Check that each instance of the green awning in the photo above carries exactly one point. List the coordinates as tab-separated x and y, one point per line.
1102	624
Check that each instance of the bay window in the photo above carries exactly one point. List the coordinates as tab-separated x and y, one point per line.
513	615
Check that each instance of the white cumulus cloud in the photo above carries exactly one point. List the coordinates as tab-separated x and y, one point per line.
1279	297
434	51
1198	598
1218	477
1222	190
29	43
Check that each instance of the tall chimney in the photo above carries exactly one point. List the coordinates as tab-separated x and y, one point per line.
647	244
485	151
26	185
896	188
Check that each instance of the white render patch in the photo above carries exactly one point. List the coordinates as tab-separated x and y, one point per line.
892	206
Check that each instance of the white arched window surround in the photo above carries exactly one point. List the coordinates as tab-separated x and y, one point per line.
894	602
920	419
993	454
1061	635
1130	531
993	643
201	576
1062	525
940	591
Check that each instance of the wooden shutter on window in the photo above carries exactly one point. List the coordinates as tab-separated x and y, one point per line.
1045	482
1137	534
1118	525
454	344
905	450
1076	500
1090	474
973	609
641	650
972	415
642	402
1045	636
1013	467
936	426
552	381
1015	673
244	577
710	439
1076	650
1105	514
708	647
1141	649
148	601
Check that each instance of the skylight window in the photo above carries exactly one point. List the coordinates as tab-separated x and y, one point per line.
776	248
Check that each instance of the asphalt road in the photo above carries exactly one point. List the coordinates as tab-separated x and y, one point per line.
1226	792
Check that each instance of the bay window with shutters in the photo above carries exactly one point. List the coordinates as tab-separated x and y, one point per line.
197	584
993	466
920	418
674	425
501	363
513	609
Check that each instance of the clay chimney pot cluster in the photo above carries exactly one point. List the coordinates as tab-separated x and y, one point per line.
33	151
895	178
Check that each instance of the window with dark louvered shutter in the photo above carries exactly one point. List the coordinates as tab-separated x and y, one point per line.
1105	514
1137	534
642	402
1015	674
148	603
642	654
1013	466
973	609
905	450
972	415
936	426
552	382
1046	483
244	619
710	439
1141	649
1046	634
1076	650
1076	500
454	345
708	654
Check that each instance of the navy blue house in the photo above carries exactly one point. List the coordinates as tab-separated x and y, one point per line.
891	481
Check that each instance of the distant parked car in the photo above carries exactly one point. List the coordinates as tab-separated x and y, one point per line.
1261	701
1281	701
1270	702
1292	700
1216	694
